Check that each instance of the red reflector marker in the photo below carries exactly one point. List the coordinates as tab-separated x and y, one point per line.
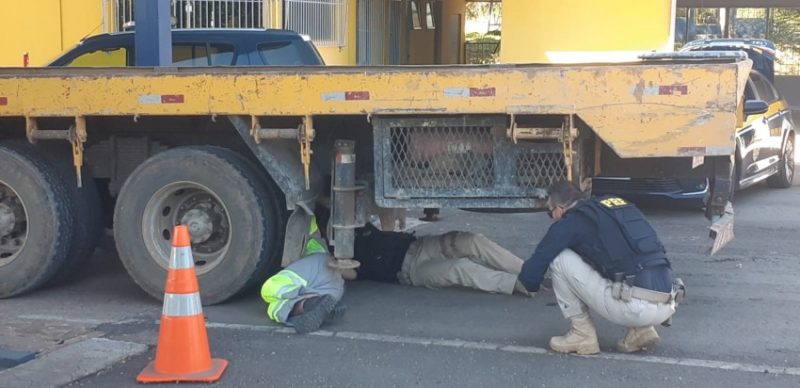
482	92
359	95
172	99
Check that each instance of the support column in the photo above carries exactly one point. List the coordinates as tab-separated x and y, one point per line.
153	33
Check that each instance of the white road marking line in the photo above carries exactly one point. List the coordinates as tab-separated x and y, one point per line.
474	345
84	321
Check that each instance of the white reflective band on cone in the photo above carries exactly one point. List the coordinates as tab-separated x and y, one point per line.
181	258
182	305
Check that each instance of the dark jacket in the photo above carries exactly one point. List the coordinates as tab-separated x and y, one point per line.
578	231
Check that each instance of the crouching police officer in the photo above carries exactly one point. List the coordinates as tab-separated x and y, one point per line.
604	256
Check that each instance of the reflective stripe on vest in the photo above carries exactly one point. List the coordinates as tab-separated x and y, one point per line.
182	305
273	290
314	236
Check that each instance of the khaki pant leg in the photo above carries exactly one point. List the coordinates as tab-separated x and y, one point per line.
478	248
464	273
577	285
424	249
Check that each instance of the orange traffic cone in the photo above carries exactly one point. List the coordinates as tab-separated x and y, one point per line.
182	353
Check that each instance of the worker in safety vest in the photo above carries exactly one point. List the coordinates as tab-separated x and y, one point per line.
604	256
306	293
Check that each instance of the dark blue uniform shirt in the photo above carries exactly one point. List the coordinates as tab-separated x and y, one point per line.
576	231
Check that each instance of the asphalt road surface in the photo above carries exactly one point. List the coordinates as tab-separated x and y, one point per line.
738	327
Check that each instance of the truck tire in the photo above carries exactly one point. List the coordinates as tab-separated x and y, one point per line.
783	179
35	220
228	205
87	227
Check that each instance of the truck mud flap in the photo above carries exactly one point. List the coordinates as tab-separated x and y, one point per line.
721	230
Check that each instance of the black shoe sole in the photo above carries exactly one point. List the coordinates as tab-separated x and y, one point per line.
314	316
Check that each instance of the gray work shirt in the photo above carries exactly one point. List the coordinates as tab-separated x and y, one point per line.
322	280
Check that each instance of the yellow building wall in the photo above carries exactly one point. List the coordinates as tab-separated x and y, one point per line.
563	31
345	55
45	28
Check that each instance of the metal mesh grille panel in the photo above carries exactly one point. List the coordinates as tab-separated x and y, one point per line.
539	169
461	161
424	158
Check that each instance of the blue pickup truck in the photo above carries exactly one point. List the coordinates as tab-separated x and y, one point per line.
194	48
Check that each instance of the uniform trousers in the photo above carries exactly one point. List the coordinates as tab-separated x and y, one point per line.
460	259
578	286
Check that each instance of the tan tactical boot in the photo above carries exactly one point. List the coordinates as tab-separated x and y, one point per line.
581	337
638	338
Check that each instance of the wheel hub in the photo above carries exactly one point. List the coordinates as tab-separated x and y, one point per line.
13	225
195	206
7	220
200	225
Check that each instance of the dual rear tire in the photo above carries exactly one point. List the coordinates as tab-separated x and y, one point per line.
231	209
49	226
37	219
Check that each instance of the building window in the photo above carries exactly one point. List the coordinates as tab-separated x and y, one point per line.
324	21
748	23
415	22
429	24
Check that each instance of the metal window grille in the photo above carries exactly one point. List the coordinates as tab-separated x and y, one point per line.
458	162
373	26
325	21
481	52
188	14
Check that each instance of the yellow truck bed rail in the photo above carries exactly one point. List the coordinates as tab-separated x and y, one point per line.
646	109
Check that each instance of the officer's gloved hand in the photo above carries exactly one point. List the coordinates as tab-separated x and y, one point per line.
521	290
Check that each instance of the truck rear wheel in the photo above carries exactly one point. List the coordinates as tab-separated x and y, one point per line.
225	201
35	220
87	227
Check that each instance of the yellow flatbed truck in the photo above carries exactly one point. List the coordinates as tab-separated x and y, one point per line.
242	155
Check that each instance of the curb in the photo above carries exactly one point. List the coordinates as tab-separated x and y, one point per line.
70	363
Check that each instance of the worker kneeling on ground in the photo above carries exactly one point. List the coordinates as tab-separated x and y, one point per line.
306	293
603	255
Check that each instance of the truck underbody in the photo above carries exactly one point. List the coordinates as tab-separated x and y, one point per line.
244	155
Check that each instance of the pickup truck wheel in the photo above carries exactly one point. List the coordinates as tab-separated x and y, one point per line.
35	220
223	199
783	179
87	226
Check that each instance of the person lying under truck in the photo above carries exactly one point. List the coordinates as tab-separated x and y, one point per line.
603	256
453	259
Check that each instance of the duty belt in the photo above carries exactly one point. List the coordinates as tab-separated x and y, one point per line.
625	292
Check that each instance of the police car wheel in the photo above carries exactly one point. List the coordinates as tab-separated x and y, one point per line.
785	175
228	205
